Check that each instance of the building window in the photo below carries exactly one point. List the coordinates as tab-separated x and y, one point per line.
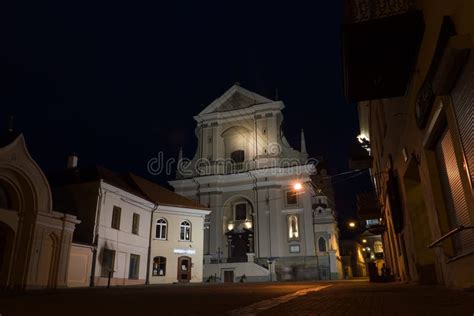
291	198
135	223
240	211
161	230
378	247
237	156
116	217
159	266
185	231
134	266
108	259
322	244
293	229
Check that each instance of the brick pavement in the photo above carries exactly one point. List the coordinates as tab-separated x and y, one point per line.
364	298
303	298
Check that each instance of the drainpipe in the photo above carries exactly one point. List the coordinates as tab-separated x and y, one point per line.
198	194
147	281
96	235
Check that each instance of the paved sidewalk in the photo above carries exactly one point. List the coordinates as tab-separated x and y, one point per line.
363	298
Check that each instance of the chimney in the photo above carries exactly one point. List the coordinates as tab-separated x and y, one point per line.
72	161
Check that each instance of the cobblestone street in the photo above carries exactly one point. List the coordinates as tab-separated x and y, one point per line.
363	298
304	298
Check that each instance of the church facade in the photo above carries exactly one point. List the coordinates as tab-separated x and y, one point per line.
269	220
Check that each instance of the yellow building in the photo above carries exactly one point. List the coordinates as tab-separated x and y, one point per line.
177	235
409	68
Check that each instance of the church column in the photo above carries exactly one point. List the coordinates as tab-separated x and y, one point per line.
308	225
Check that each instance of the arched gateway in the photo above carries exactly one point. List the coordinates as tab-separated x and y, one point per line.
29	228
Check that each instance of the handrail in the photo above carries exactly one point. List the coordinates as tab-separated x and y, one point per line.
449	234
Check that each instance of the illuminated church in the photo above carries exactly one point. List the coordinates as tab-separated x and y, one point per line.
271	219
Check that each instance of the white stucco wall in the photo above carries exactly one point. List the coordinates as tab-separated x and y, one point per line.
121	240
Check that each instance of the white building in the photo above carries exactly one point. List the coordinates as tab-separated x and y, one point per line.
245	170
119	220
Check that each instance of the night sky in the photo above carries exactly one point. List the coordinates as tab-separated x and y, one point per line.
118	82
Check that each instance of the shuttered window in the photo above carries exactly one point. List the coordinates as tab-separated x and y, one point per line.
463	101
454	192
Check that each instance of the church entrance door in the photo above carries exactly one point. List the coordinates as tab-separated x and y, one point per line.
240	244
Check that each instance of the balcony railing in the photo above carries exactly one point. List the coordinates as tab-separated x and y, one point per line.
364	10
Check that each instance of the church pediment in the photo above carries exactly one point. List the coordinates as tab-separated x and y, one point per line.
236	98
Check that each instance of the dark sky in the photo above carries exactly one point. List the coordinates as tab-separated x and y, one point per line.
118	82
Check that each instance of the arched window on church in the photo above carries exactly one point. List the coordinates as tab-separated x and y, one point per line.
4	199
293	229
322	244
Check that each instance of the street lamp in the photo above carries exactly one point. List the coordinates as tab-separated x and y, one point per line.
297	186
352	224
364	241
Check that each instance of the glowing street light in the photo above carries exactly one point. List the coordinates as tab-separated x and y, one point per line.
297	186
364	240
352	224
